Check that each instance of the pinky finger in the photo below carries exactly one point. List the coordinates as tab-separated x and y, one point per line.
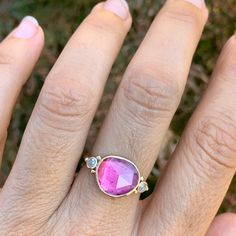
18	54
223	225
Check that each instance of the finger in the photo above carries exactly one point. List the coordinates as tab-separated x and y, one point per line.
2	146
223	225
200	171
58	128
18	54
142	109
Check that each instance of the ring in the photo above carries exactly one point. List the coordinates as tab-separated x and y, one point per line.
116	176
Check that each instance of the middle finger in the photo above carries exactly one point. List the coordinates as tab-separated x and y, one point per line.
56	133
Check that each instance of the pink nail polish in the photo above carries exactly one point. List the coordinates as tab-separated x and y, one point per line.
197	3
27	28
119	7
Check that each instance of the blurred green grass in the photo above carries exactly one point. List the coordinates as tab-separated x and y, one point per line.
60	18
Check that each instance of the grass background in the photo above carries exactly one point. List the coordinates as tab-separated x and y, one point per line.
60	18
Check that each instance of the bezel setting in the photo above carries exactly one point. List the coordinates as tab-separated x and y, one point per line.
94	165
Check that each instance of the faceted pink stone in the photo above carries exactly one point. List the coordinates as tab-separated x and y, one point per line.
117	176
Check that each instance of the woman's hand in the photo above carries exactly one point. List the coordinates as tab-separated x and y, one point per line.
41	195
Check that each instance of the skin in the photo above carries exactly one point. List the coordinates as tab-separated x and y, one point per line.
42	197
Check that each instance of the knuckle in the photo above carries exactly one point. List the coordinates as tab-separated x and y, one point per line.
147	97
215	141
6	59
65	102
104	27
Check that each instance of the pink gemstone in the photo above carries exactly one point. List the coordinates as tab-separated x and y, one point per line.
117	176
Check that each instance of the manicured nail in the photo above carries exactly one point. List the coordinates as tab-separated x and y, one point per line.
27	28
197	3
119	7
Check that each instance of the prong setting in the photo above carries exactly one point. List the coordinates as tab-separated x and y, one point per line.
142	187
92	163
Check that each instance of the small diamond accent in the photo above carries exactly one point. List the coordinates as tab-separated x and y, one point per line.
92	162
143	187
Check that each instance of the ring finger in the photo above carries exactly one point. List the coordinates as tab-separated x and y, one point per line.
141	112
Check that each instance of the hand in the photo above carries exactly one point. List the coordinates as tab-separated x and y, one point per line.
42	197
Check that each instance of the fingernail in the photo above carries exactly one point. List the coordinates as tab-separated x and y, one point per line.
27	28
197	3
119	7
